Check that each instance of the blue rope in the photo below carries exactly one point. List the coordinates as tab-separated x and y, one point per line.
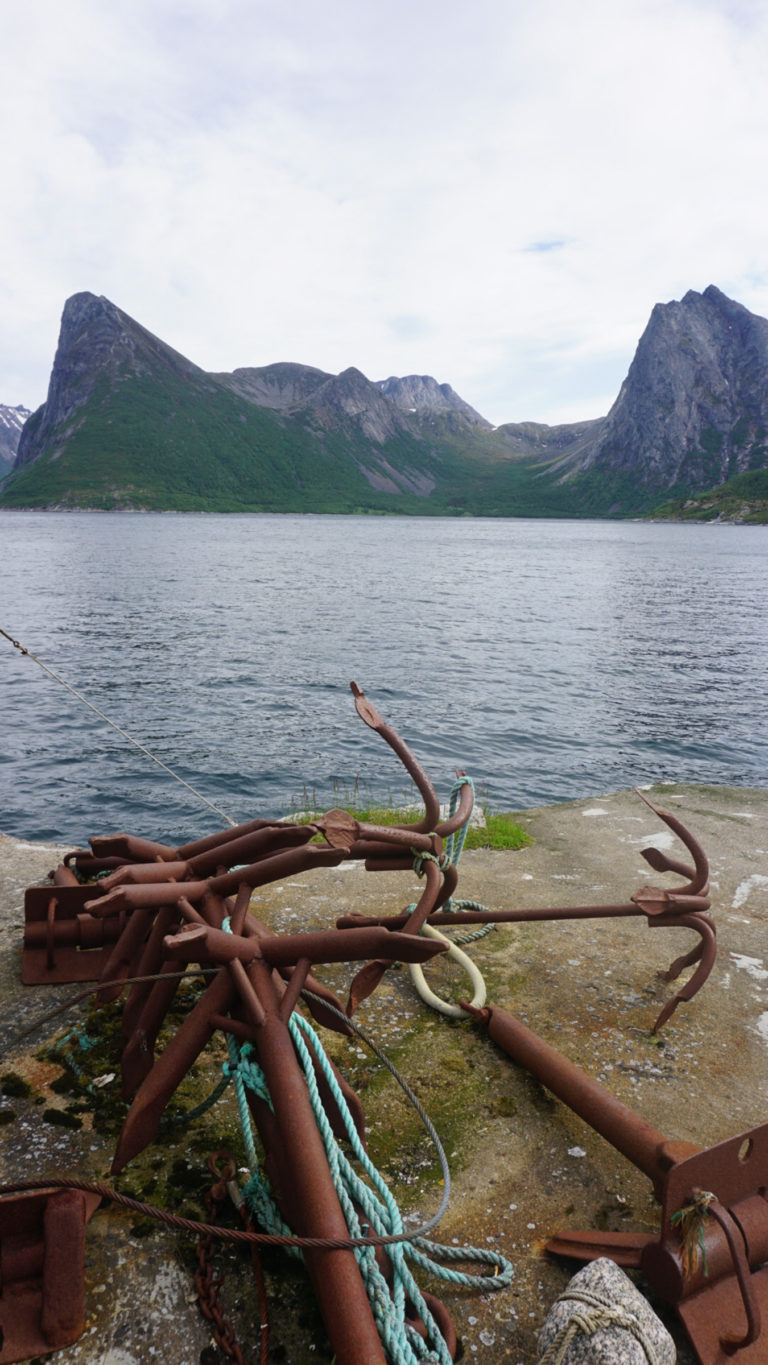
454	845
79	1035
202	1107
368	1205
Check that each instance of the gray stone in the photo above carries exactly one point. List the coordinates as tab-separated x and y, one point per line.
602	1319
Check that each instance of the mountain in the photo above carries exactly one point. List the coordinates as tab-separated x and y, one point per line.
11	422
693	409
129	422
420	393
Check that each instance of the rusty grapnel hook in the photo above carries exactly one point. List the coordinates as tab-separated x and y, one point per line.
367	712
683	908
658	860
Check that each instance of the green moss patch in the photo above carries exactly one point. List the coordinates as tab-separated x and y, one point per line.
15	1086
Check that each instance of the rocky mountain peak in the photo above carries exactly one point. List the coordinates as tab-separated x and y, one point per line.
693	409
282	386
97	342
12	421
420	393
350	396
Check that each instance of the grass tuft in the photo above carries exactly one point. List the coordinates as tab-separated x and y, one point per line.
499	831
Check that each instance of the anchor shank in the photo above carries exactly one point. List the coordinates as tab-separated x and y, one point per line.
639	1141
335	1273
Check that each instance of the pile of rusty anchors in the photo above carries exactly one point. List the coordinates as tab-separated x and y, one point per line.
68	938
165	908
683	908
721	1294
93	933
159	908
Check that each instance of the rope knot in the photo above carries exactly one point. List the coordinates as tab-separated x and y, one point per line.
691	1219
594	1316
420	857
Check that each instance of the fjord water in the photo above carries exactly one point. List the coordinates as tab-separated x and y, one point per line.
550	660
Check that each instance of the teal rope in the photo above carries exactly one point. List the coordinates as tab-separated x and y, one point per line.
422	856
85	1042
382	1215
453	849
202	1107
454	846
368	1205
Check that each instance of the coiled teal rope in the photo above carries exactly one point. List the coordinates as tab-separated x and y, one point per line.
369	1208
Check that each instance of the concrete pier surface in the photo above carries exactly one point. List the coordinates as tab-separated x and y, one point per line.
523	1166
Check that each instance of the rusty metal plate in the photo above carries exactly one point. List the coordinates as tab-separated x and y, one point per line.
718	1311
733	1170
63	941
42	1271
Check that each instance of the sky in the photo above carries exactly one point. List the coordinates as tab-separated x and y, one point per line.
495	193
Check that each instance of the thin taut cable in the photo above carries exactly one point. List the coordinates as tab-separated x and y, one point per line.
99	713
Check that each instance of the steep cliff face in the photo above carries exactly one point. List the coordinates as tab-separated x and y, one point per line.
11	425
693	409
99	346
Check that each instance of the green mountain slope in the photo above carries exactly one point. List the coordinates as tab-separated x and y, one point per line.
131	423
742	499
187	446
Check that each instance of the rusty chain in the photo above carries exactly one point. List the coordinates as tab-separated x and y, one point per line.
223	1168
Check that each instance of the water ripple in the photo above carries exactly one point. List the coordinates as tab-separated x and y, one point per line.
550	659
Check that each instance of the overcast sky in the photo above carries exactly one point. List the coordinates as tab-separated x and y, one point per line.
495	193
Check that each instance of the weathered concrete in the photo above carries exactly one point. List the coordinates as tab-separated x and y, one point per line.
523	1165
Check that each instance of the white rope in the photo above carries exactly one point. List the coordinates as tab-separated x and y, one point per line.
99	713
429	997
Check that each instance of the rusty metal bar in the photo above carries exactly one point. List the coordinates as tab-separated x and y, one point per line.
524	916
723	1298
367	712
42	1271
335	1273
203	944
640	1142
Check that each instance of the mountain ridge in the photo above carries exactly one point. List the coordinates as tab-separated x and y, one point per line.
128	421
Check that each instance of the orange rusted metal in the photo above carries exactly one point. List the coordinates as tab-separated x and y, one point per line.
721	1295
42	1271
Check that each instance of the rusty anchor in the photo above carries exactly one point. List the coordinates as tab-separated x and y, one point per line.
249	998
722	1294
682	908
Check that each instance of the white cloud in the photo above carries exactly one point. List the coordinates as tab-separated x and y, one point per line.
495	195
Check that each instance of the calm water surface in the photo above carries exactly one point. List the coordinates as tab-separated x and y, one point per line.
550	660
